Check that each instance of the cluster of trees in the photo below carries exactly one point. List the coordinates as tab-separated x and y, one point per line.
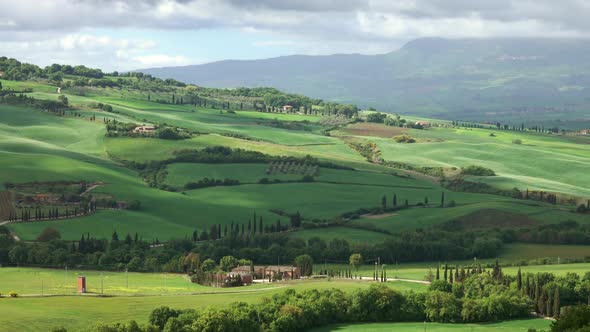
101	106
287	125
172	133
404	138
390	120
567	232
262	245
118	128
397	203
460	184
512	127
18	71
206	182
477	171
243	231
369	150
219	155
292	167
54	106
36	214
115	128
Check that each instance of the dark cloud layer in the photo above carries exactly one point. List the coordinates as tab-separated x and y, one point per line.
314	26
567	15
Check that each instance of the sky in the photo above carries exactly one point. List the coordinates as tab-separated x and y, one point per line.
133	34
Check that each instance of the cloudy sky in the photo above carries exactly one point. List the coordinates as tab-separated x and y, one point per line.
131	34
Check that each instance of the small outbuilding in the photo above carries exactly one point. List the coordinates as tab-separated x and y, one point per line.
81	284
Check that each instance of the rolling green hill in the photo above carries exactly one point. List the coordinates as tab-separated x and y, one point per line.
344	189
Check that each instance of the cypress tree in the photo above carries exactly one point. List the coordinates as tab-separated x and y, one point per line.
451	275
519	279
384	202
537	295
541	304
445	273
442	199
556	303
438	272
549	309
394	200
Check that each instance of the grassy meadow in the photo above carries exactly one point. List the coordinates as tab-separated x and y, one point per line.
146	291
531	164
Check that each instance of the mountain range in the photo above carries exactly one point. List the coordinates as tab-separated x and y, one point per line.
544	81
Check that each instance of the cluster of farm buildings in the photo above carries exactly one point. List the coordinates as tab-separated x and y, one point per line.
272	272
144	129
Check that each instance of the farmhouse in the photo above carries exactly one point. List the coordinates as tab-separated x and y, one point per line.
287	108
42	198
424	124
584	132
285	272
273	271
242	270
144	129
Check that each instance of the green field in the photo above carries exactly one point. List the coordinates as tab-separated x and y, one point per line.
529	165
145	291
515	325
48	282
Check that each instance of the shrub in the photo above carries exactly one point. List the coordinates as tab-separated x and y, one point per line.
49	234
376	117
134	205
517	141
307	178
13	294
477	171
404	139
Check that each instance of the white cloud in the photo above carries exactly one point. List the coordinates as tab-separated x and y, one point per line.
94	50
272	43
160	60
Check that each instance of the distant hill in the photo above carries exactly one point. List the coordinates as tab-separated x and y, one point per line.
531	80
